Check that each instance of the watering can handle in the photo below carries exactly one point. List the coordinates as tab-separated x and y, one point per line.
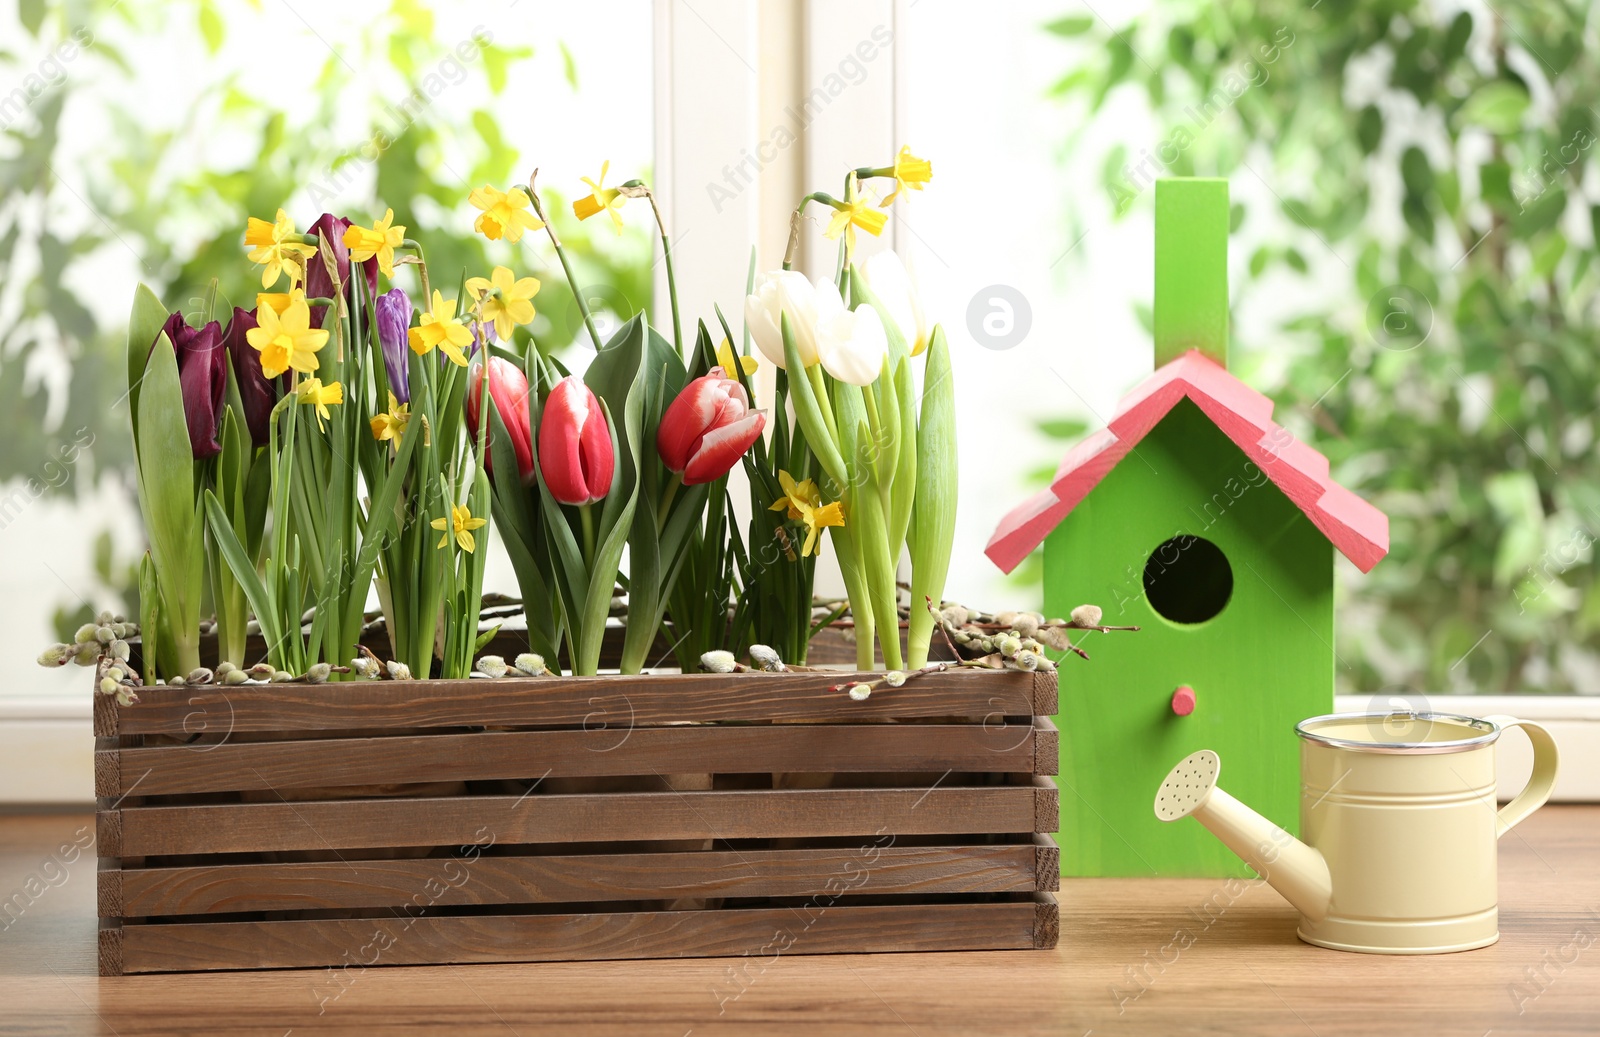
1540	782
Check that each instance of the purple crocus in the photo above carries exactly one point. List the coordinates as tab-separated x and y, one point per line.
394	318
257	392
318	286
203	377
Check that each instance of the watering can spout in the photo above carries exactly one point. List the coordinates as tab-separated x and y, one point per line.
1294	869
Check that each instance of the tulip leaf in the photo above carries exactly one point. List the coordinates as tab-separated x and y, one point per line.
144	324
520	532
149	617
166	494
933	514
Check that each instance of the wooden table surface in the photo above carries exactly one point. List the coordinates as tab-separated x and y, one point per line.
1137	956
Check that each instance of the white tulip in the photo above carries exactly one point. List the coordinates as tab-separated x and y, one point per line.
784	292
852	343
895	285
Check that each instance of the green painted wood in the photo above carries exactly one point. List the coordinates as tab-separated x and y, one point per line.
1262	664
1191	304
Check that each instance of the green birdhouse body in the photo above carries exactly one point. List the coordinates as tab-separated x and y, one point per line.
1198	519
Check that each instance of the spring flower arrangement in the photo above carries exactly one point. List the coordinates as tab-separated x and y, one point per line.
356	431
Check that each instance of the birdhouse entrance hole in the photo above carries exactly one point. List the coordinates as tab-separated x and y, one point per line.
1188	579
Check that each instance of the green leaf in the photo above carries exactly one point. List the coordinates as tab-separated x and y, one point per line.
1071	25
1415	172
933	516
1369	129
144	324
261	601
166	483
569	67
31	14
1497	107
211	27
149	618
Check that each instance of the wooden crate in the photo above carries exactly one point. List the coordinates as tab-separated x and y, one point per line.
559	819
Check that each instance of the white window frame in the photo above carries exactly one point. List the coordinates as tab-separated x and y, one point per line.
724	70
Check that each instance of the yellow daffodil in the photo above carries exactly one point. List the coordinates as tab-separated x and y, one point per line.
601	199
803	501
440	327
504	213
909	171
462	524
504	299
277	302
729	362
847	216
312	393
286	340
378	240
277	246
390	426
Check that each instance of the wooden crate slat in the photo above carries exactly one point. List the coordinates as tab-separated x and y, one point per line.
820	928
721	749
617	703
577	878
575	817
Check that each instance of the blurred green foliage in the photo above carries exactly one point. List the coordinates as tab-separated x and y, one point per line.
140	196
1417	173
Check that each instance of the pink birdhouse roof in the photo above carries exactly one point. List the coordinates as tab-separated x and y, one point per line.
1359	530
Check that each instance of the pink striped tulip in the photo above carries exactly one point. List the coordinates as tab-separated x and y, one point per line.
575	451
508	389
707	428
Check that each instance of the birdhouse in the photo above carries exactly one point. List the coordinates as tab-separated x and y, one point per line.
1196	517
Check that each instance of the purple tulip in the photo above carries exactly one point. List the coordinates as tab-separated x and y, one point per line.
203	377
318	286
257	392
394	318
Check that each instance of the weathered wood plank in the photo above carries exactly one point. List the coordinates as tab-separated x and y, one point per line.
719	749
451	882
562	818
761	933
615	703
1046	746
1046	922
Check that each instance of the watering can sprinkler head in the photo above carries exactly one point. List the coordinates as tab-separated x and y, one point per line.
1293	868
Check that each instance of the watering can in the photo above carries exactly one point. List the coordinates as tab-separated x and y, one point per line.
1400	823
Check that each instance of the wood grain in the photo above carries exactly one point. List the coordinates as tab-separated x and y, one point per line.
1236	971
560	818
615	703
763	933
579	878
722	749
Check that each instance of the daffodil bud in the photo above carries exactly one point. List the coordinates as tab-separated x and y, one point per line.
718	661
493	666
1087	615
530	664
